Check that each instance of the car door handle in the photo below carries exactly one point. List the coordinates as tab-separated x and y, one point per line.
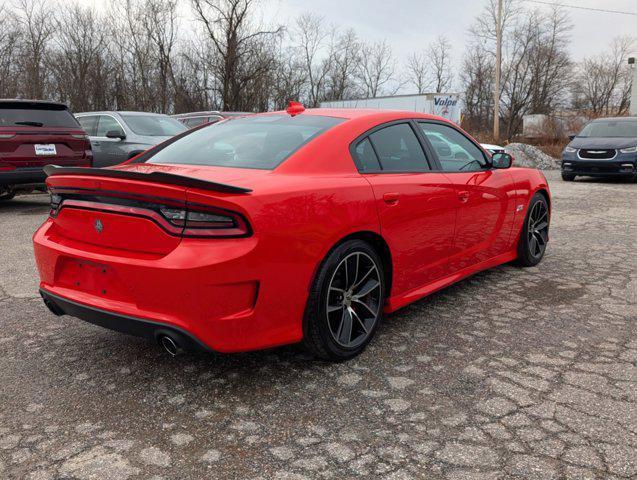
463	196
390	198
95	143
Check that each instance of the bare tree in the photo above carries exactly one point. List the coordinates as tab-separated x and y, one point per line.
535	67
160	24
35	19
418	72
312	44
237	43
345	57
478	79
78	62
376	68
439	53
10	39
603	81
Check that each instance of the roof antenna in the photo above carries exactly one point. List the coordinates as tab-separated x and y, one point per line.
294	108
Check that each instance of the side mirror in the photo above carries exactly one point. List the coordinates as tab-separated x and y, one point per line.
501	160
572	137
116	134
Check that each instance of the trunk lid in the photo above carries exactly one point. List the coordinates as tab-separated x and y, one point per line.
128	213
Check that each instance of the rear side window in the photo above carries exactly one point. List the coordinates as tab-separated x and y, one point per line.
35	115
367	157
398	149
262	141
89	124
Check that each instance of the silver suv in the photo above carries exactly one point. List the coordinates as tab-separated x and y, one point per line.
117	136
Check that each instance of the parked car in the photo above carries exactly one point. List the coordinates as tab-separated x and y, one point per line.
118	136
33	134
294	226
194	119
493	148
604	147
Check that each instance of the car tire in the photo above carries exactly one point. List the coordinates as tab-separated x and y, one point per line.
535	232
345	303
568	177
6	196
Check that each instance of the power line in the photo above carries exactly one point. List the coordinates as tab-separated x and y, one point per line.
619	12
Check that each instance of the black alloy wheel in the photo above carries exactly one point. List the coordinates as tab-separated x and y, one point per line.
346	302
535	232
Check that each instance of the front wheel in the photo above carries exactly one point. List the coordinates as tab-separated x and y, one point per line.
568	177
346	301
535	232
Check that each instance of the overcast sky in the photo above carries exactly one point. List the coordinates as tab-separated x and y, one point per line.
411	24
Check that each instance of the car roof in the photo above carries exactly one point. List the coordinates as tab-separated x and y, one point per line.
120	112
367	113
23	102
196	114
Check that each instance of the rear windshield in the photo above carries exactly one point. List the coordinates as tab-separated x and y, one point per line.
154	125
33	115
610	129
262	141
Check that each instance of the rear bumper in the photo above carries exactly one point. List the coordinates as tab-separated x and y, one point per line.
599	168
223	294
22	176
121	323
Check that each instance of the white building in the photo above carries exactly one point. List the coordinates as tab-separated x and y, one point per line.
445	105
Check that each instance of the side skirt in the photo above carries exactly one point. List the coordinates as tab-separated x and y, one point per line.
398	301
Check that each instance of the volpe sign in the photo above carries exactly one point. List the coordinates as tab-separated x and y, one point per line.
447	106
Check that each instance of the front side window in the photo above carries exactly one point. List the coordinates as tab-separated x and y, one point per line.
89	124
108	124
455	151
262	141
154	125
398	149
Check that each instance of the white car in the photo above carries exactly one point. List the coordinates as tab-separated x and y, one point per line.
492	148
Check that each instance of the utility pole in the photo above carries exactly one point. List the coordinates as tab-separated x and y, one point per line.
498	66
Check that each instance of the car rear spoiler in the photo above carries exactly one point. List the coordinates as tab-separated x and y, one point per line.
154	177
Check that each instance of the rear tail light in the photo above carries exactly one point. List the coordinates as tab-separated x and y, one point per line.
5	136
180	220
209	223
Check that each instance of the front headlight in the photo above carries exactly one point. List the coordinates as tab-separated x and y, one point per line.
570	150
628	150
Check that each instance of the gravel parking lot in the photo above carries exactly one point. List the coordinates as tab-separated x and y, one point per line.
509	374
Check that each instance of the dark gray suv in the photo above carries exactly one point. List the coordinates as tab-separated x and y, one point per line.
117	136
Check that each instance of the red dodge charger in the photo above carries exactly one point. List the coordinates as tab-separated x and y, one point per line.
295	226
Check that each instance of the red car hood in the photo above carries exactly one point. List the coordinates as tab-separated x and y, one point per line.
240	177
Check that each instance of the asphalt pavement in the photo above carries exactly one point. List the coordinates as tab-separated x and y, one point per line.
513	373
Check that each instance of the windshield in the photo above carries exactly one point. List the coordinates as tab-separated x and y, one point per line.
36	116
262	141
154	125
610	129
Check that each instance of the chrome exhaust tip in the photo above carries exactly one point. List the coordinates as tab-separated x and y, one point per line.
170	345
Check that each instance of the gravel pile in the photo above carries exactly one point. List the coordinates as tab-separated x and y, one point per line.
530	156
